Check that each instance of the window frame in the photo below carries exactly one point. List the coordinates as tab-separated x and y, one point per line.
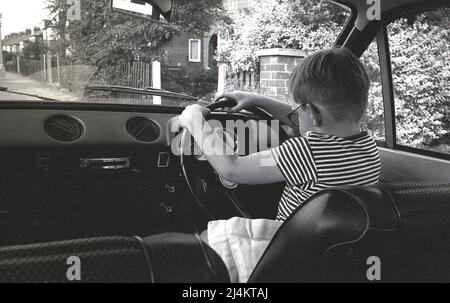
387	81
384	57
199	53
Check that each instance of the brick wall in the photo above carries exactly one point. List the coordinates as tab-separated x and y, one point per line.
276	66
177	50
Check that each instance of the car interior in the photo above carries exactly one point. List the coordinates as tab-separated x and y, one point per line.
102	181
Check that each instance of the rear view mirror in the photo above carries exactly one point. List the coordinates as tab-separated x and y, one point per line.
156	10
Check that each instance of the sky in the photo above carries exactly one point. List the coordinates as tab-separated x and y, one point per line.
18	15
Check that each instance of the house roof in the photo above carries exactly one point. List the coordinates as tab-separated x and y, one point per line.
15	39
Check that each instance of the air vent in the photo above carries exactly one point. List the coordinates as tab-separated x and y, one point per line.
143	129
63	128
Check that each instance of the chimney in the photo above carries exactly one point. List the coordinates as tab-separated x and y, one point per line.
36	30
28	32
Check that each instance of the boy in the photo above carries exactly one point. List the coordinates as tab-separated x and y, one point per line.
328	96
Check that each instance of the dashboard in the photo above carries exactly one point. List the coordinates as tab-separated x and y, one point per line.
59	128
74	127
81	170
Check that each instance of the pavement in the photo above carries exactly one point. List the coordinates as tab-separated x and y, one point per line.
23	84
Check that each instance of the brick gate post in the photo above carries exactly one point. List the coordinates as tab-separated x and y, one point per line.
276	66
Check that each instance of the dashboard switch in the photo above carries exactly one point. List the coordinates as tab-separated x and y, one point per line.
43	163
167	208
163	160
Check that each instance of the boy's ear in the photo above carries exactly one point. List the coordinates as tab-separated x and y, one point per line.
315	117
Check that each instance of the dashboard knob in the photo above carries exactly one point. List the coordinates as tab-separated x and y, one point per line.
170	188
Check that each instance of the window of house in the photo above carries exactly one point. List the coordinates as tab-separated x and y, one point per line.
419	47
195	50
374	121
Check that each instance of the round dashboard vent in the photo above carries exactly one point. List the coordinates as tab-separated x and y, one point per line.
143	129
63	128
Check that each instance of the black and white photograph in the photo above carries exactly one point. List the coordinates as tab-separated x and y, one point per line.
224	147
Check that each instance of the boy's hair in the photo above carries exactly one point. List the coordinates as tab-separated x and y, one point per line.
335	79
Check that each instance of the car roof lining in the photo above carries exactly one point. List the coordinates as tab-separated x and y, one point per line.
390	9
359	31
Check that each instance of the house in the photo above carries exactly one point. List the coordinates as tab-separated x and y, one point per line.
199	51
15	42
15	47
197	54
37	35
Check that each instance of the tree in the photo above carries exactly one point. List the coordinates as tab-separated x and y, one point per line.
33	50
310	25
58	9
105	39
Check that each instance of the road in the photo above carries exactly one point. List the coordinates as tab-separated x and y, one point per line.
19	83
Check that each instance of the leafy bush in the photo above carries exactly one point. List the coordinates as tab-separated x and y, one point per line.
106	39
310	25
421	73
419	48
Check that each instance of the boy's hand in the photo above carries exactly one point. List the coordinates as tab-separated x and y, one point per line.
244	100
190	114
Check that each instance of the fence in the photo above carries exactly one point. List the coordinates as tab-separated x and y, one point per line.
248	81
138	74
33	68
135	74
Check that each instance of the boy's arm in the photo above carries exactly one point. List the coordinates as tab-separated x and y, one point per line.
245	100
254	169
259	168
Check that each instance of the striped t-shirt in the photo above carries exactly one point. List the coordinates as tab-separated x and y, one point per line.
318	161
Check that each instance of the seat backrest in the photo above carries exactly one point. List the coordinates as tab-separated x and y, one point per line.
335	235
162	258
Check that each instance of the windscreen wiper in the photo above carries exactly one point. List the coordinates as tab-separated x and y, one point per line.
139	91
5	89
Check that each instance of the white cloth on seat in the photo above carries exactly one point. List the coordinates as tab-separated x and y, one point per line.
240	243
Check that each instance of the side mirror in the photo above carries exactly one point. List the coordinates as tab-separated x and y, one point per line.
156	10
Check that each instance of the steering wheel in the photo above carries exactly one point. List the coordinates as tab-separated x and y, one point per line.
230	103
188	164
